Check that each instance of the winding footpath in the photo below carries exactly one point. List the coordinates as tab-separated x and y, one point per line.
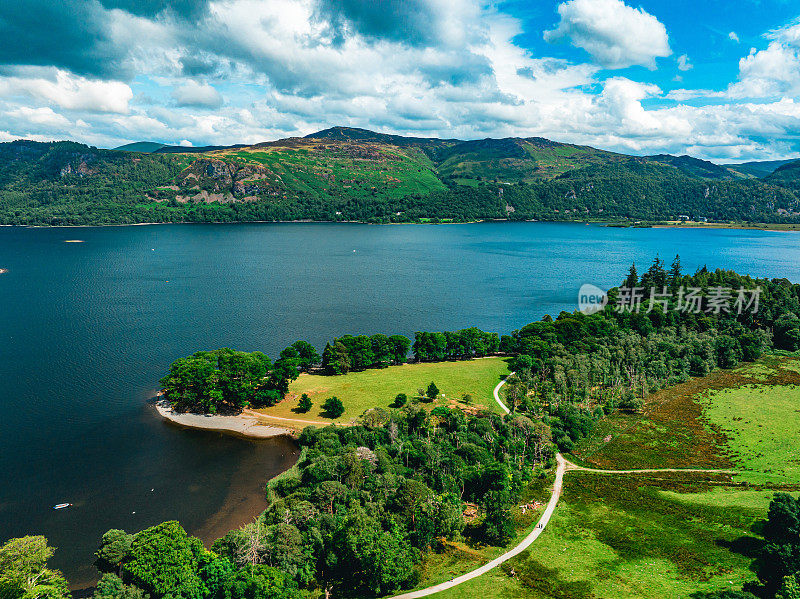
526	542
563	467
497	394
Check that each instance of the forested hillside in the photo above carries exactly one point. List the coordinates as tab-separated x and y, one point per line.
343	174
787	175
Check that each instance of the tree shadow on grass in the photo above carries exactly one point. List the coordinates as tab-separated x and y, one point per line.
746	545
534	575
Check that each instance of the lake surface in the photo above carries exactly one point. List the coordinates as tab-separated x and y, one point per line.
87	329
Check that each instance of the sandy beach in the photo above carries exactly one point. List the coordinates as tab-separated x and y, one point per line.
245	425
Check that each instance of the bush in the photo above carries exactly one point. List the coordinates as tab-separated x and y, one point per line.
305	403
400	400
432	391
333	407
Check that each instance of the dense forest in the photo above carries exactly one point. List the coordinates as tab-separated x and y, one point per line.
355	175
366	504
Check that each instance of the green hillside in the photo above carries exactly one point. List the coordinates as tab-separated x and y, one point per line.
141	146
760	168
345	174
787	175
698	168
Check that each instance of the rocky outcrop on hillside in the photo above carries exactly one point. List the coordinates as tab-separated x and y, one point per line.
217	180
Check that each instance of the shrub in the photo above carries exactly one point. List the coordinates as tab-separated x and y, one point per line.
333	407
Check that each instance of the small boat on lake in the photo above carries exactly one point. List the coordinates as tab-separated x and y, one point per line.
61	506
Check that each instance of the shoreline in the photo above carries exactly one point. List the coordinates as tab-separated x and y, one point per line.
244	425
772	227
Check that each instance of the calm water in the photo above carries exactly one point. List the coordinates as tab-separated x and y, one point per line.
87	329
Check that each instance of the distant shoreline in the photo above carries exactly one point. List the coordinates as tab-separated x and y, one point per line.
243	425
776	227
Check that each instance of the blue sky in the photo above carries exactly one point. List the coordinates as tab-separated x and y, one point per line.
717	80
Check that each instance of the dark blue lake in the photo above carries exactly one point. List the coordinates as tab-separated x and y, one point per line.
87	329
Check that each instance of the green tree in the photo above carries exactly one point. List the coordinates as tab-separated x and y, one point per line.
382	352
400	346
432	391
522	363
261	582
728	351
165	561
335	359
674	277
304	405
333	407
240	374
400	400
307	353
24	573
283	372
111	586
632	280
780	557
191	384
115	549
787	332
655	276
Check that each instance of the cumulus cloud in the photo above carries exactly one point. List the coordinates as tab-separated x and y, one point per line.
773	71
419	67
83	36
68	91
616	35
196	94
416	22
733	37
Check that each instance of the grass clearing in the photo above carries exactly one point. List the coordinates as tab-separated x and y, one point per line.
632	536
360	391
724	497
761	425
672	534
743	418
620	536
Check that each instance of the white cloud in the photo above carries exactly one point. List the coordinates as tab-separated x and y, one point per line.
68	91
196	94
733	37
39	116
774	71
285	71
616	35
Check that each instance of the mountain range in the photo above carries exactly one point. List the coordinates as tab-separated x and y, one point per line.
354	174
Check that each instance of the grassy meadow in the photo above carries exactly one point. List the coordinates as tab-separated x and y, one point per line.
633	536
761	425
667	534
746	419
377	388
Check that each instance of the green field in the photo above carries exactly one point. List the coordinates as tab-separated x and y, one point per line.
662	534
360	391
632	536
761	425
667	534
747	419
